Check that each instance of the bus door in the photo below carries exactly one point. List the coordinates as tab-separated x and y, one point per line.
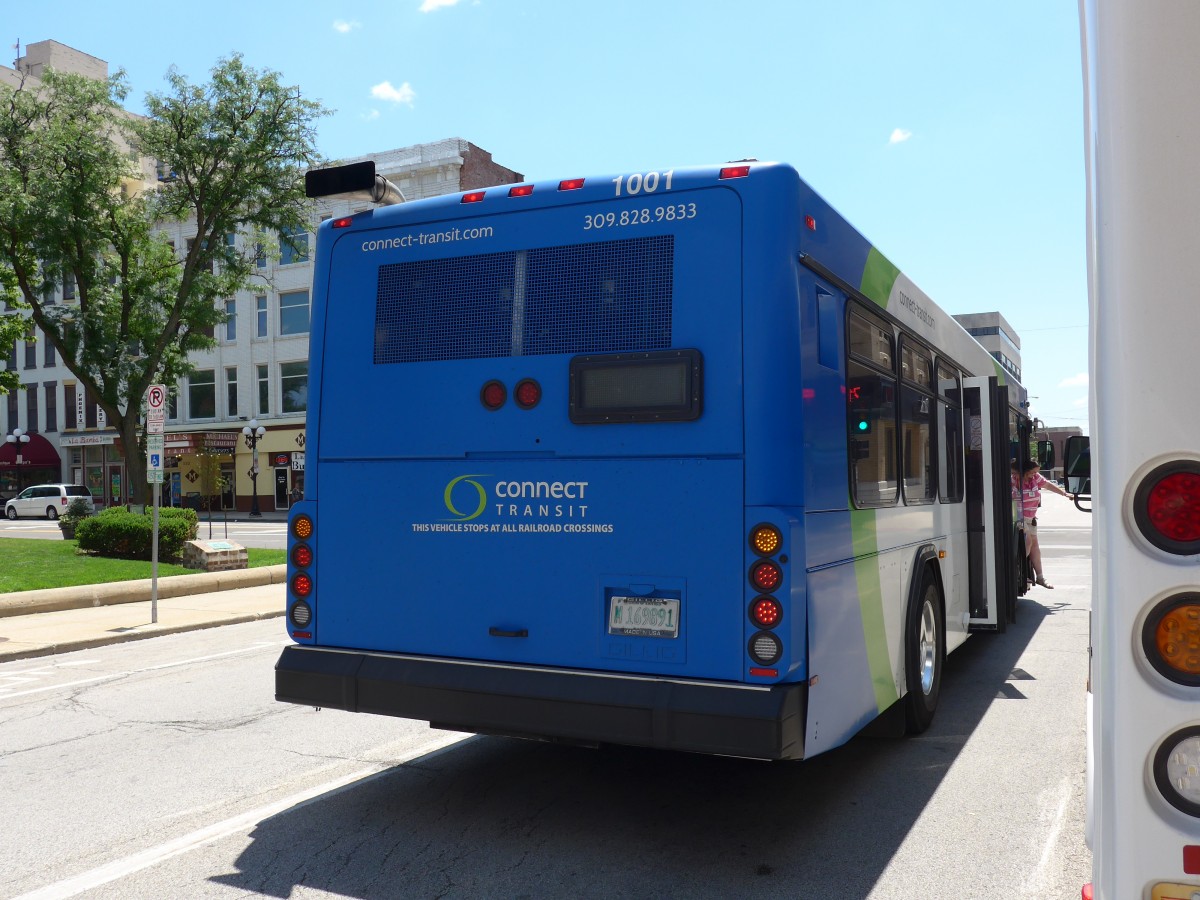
990	545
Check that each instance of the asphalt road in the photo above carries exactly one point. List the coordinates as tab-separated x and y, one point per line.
269	535
165	768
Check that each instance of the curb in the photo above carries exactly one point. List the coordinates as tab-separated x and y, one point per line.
157	631
86	595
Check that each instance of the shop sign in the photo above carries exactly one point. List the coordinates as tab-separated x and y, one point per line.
281	460
297	462
85	440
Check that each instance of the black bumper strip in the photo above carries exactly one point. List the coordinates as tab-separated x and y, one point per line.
577	706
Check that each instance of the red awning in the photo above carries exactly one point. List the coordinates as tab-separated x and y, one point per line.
37	453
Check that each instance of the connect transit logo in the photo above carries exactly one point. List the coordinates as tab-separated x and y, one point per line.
466	497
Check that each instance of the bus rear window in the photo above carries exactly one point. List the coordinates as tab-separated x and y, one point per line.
637	387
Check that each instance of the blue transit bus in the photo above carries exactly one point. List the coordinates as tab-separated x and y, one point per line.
674	459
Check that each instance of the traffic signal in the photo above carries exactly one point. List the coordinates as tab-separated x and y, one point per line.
860	421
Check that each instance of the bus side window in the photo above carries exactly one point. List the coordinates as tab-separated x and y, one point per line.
871	411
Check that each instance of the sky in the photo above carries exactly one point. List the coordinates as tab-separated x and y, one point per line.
949	134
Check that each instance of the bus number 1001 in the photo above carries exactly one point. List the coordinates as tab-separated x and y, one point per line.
643	183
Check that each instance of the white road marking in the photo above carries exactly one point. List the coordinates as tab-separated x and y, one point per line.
122	868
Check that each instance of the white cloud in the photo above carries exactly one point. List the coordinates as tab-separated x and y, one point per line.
344	27
370	115
1080	380
431	5
899	136
402	94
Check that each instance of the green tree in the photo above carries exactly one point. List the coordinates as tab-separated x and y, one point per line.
230	154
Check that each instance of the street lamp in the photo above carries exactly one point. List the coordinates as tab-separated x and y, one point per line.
18	437
253	434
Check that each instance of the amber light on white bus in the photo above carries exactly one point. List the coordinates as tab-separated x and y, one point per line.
1171	639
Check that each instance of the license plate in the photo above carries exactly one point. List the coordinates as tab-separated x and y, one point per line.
644	616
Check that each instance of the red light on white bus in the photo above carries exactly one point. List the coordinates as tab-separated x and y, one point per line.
1166	507
521	190
473	197
735	172
571	184
345	222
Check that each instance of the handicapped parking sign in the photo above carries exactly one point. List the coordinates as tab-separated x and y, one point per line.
155	461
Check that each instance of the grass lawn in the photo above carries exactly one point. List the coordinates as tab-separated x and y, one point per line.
27	564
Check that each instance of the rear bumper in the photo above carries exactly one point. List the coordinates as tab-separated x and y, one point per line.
761	722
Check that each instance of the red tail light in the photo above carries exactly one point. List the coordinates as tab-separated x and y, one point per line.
527	393
1166	507
766	576
492	395
302	556
302	585
766	612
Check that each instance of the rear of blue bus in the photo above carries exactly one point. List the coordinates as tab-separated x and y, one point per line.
530	509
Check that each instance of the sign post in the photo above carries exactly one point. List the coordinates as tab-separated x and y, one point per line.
156	401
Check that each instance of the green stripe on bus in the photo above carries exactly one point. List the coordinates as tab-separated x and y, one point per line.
878	277
870	601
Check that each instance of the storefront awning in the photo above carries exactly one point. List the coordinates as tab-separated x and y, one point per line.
36	453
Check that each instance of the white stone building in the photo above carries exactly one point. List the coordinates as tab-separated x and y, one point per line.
257	370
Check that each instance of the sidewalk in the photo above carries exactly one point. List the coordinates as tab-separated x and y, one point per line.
59	620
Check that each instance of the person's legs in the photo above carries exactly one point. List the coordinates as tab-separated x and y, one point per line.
1035	557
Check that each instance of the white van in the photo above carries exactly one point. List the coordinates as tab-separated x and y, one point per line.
49	500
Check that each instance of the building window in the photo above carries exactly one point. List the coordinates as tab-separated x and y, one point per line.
30	351
231	403
173	403
293	386
260	256
293	246
231	320
202	394
12	411
69	407
31	408
49	359
264	390
260	317
293	313
11	360
68	287
51	405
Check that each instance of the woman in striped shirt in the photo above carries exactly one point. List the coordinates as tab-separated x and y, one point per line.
1027	487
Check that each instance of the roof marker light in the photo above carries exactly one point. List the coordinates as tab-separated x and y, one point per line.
810	223
521	190
473	197
344	222
571	184
735	172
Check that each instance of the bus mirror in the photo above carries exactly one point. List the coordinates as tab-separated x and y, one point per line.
356	181
1078	468
1045	455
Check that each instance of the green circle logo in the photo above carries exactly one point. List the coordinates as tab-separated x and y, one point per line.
469	479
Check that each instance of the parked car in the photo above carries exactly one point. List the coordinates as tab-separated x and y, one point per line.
49	500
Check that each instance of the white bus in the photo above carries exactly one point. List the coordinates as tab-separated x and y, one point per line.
1142	78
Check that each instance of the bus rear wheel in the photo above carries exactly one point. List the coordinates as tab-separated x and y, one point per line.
924	655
